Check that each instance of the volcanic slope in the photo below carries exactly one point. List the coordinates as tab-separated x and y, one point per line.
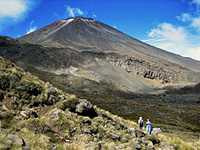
88	34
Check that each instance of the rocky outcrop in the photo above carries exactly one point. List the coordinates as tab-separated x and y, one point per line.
150	70
132	131
140	133
81	107
25	114
114	137
52	96
156	131
17	140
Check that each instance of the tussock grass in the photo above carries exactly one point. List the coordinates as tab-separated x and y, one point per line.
176	143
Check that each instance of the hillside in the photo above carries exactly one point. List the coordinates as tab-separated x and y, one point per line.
35	115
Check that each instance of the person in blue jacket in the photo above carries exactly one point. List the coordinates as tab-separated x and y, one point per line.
148	126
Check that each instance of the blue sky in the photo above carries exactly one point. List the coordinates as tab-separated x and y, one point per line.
173	25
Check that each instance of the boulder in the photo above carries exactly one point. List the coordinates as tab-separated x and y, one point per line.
87	131
85	108
138	147
120	126
25	114
26	147
138	141
94	129
150	146
156	131
139	133
81	107
114	137
51	100
52	96
132	131
17	140
55	115
51	91
4	108
87	122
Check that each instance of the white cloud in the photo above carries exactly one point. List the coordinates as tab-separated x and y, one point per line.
175	39
181	39
115	27
197	2
31	27
72	12
196	23
185	17
13	11
12	8
188	18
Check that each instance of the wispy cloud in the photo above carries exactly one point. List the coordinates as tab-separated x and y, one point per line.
175	39
13	11
31	27
180	39
72	12
184	17
196	2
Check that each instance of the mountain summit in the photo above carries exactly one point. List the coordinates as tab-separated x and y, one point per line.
86	34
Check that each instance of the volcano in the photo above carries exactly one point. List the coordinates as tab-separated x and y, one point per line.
119	53
86	34
92	52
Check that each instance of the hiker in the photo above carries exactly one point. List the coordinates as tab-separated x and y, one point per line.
140	122
148	126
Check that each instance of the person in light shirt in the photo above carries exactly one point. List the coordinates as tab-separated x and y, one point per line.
148	126
140	122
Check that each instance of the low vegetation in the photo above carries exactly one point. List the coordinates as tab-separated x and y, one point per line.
35	115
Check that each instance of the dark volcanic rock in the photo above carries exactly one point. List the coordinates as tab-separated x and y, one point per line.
83	108
139	133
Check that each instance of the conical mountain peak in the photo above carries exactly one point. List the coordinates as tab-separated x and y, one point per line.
80	34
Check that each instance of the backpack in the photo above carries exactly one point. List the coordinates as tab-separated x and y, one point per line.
141	123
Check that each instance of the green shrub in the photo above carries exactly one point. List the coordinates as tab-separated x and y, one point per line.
6	119
8	81
5	142
40	142
27	89
38	126
178	144
154	139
